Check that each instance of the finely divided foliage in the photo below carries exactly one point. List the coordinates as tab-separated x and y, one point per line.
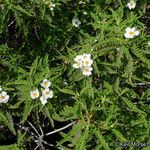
74	74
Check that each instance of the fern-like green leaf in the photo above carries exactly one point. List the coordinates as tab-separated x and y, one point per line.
9	147
66	91
133	107
34	67
7	120
140	55
119	135
101	140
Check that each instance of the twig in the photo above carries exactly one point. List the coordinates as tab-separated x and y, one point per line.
33	135
42	134
142	102
48	144
142	83
11	23
37	147
34	129
36	33
60	129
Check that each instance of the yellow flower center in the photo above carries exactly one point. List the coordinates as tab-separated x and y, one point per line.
35	94
46	83
47	92
131	33
2	97
87	70
78	64
132	3
87	62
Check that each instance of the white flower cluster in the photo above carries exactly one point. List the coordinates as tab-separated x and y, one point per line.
131	33
46	92
131	4
4	97
84	62
50	4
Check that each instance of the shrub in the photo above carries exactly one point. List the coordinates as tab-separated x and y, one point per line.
74	74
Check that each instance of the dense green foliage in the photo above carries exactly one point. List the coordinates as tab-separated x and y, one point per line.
38	41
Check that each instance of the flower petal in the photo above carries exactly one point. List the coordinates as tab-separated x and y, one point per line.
137	33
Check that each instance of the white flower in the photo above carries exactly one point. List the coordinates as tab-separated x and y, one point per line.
46	2
0	88
43	100
131	33
87	71
92	49
80	2
51	6
47	93
131	4
85	13
34	94
84	62
117	49
78	58
4	97
46	83
87	62
86	56
78	64
76	22
65	83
